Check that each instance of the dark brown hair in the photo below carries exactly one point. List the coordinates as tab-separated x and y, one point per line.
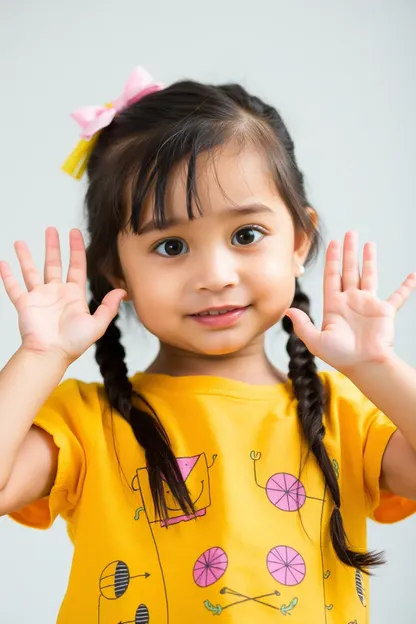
134	157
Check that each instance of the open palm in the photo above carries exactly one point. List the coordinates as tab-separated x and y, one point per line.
53	314
357	326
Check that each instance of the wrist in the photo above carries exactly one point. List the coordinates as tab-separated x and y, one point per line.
56	360
373	369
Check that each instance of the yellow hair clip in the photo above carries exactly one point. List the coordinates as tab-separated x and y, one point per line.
77	161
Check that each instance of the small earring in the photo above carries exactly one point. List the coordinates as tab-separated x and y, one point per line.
301	270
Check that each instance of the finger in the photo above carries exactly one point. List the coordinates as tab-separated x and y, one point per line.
77	270
304	329
30	273
400	296
53	261
369	277
11	286
108	309
350	268
332	276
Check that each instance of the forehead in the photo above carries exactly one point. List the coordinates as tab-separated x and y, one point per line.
224	177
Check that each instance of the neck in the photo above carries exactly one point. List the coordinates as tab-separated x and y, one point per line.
250	365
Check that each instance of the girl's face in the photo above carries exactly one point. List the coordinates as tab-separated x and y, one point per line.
242	254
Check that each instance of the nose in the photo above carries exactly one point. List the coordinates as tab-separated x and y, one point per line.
215	270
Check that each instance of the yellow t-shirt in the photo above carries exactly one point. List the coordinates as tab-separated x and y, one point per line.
258	547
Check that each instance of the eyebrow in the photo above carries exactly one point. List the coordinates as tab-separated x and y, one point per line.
236	211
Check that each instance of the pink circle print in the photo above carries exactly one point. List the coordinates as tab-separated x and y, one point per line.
210	566
286	565
285	492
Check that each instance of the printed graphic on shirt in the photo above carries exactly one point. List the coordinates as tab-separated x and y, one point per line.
195	473
359	587
286	565
114	582
264	600
142	616
210	566
284	490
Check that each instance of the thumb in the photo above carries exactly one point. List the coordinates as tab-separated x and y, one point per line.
304	329
108	309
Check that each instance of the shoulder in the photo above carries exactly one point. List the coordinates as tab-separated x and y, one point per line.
75	406
342	392
71	388
349	413
89	396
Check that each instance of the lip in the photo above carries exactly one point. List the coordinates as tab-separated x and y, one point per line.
220	308
220	320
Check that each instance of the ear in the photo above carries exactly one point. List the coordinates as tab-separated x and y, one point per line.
118	282
303	243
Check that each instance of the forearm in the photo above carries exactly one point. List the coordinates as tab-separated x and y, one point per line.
25	383
391	386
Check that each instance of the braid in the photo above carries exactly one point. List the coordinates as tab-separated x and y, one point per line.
310	394
147	428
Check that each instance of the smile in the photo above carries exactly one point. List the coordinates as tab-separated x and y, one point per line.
220	317
215	312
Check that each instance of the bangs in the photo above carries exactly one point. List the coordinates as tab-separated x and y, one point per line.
151	177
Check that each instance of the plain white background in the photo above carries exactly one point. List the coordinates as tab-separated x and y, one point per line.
342	73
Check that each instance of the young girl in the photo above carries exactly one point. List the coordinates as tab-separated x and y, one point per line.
211	484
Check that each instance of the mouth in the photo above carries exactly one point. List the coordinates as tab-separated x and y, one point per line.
220	310
220	317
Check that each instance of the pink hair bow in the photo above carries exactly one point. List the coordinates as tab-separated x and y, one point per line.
92	119
95	118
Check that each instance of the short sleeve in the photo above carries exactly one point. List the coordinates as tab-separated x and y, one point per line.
365	431
384	507
70	417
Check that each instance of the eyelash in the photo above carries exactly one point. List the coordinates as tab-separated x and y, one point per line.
256	228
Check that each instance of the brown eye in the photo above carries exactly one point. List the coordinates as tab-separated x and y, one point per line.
171	247
247	236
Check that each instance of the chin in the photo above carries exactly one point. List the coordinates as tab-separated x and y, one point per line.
217	348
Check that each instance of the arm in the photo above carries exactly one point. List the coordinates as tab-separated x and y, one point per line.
28	455
33	473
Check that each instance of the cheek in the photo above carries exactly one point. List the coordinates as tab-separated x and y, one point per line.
153	293
272	270
276	269
273	283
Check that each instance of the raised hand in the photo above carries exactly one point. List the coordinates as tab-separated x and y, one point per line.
357	327
53	315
